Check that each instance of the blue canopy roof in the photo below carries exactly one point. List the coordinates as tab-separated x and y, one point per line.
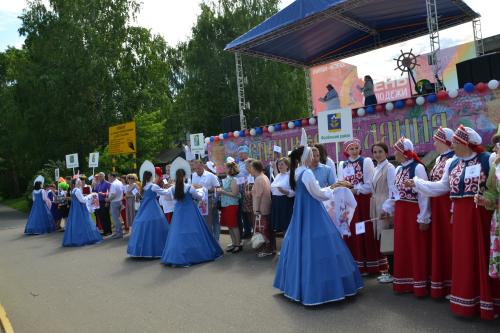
311	32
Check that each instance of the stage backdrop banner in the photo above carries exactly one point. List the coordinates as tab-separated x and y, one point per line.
335	126
418	123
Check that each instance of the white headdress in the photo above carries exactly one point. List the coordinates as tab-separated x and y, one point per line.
180	163
211	166
147	166
40	179
303	143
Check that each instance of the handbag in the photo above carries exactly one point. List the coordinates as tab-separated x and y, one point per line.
137	204
257	239
387	241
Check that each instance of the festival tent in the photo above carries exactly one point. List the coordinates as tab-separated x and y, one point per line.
311	32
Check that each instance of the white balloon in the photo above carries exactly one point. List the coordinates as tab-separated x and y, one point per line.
221	136
389	106
252	132
312	121
236	134
420	100
493	84
361	112
270	129
291	124
207	140
453	93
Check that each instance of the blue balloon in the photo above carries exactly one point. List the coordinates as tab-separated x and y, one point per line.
212	139
370	109
225	135
242	133
469	87
277	127
258	130
399	104
432	98
297	123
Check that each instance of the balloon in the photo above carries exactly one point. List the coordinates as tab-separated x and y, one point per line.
270	128
284	126
247	132
312	121
253	132
420	100
442	95
221	136
400	104
230	134
207	140
258	130
469	87
481	87
225	135
264	129
370	110
453	93
277	127
216	138
361	112
379	108
297	123
389	106
212	139
410	102
236	134
354	113
243	133
291	124
305	122
432	98
493	84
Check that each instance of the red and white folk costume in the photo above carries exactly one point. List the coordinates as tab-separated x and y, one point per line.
364	247
441	227
410	209
472	289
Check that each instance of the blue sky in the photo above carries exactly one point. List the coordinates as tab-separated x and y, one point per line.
175	25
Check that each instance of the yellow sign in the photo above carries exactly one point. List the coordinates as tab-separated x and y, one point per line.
122	139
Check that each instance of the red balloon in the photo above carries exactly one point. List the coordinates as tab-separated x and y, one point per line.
379	108
442	95
305	122
284	126
216	138
264	129
481	87
354	113
410	102
230	134
247	132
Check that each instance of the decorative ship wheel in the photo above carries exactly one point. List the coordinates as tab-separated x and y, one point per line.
406	63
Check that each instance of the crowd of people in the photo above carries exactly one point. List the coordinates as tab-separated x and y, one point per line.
428	233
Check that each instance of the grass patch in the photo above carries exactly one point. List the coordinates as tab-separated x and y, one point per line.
20	204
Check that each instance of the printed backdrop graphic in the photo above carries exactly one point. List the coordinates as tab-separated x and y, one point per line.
479	111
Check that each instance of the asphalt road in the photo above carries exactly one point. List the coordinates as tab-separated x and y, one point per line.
47	288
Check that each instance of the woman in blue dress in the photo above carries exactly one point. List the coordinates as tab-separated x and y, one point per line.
315	265
150	229
80	229
54	209
189	240
40	220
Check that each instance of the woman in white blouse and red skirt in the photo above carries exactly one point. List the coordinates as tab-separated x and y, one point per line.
412	236
472	289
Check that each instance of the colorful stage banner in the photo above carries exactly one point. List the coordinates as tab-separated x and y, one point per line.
479	111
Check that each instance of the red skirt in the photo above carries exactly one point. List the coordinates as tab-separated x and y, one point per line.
229	216
411	251
472	290
365	248
441	230
168	216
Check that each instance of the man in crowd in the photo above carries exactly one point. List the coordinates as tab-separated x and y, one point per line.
102	189
210	182
323	173
115	200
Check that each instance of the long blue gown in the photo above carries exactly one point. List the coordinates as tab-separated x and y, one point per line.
315	265
40	220
80	229
150	229
189	240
